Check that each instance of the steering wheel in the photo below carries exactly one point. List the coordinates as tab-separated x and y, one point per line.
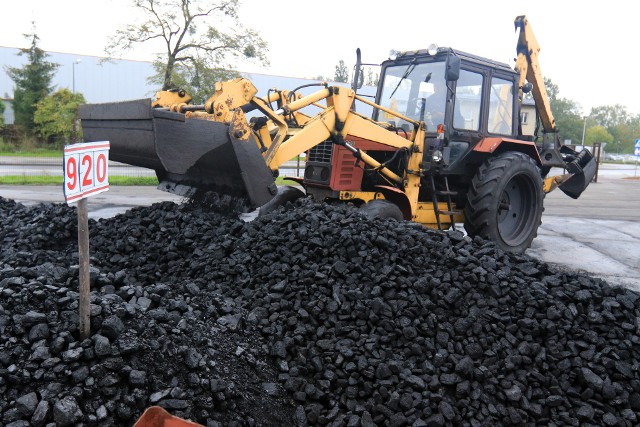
417	103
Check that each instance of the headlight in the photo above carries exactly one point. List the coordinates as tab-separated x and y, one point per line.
432	49
393	55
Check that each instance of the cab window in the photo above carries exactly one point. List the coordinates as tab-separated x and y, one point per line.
467	102
501	107
412	90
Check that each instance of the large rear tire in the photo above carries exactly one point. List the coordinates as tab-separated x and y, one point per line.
382	209
505	201
286	194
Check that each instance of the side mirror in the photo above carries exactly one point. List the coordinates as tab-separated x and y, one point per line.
452	68
358	75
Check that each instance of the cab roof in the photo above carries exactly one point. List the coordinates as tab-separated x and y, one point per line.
442	53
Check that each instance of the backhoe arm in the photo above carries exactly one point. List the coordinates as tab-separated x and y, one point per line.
529	68
581	167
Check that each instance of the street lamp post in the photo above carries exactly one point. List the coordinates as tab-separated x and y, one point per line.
74	135
73	73
584	129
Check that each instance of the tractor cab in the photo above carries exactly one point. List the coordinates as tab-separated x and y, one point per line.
461	98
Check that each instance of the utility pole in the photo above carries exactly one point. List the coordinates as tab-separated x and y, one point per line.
74	135
73	74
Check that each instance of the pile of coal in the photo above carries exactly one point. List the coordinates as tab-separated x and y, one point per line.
211	201
338	319
386	323
170	344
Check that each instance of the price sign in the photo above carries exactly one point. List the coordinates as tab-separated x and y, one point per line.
86	170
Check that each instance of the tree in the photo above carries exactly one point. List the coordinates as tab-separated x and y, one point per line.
33	82
190	41
624	136
623	127
342	73
56	116
566	112
1	112
195	78
608	123
597	134
610	116
552	88
372	78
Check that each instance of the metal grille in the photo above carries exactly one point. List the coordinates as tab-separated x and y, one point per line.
321	153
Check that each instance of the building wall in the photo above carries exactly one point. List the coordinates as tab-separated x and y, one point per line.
97	79
7	115
528	117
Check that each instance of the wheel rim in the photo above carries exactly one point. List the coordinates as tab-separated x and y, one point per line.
516	210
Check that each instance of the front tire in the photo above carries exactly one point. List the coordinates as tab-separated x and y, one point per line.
505	201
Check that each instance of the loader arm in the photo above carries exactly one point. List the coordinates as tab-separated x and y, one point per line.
337	122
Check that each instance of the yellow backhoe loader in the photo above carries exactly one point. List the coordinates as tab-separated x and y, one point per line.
444	143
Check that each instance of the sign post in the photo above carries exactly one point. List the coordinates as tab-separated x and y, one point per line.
84	274
86	173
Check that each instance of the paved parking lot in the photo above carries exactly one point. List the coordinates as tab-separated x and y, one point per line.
598	233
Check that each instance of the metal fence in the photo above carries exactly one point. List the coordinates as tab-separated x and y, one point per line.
52	166
46	165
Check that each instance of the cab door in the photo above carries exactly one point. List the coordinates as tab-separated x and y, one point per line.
501	106
466	115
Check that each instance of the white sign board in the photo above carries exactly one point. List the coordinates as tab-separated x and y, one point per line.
86	170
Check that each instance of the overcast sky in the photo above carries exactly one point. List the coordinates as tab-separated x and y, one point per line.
589	49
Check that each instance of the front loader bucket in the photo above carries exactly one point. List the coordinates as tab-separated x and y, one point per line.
583	167
192	154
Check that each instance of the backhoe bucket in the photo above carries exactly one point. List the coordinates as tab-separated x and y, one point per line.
583	167
187	154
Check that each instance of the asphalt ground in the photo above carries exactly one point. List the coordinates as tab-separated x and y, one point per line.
598	234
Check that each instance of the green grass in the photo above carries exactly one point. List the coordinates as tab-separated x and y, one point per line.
57	180
129	180
43	152
29	148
